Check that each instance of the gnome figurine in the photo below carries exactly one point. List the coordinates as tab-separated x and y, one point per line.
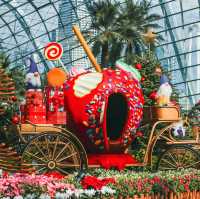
165	90
33	77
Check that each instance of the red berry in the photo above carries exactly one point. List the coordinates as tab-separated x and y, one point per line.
138	66
153	95
15	119
139	134
14	98
143	79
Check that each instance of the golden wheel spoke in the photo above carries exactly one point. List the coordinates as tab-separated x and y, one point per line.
34	164
41	151
169	163
172	157
71	165
69	156
167	168
192	164
55	146
38	158
63	149
43	168
62	170
47	145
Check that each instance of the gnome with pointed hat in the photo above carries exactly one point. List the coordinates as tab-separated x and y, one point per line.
33	77
165	90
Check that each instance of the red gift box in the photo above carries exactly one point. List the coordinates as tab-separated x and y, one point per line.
34	97
36	114
37	119
56	117
23	119
34	94
31	109
54	98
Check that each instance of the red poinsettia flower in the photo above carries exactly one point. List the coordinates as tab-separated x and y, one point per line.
54	174
5	174
95	183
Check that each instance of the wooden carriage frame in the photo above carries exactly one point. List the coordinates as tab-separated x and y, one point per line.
175	147
169	116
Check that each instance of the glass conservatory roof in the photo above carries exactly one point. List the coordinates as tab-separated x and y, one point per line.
26	26
180	52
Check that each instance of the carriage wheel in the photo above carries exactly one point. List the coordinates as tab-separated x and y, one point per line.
178	157
54	151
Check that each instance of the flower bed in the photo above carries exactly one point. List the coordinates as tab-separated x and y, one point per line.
49	186
171	184
103	184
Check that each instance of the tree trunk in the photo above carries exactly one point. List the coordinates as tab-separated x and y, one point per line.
105	55
129	53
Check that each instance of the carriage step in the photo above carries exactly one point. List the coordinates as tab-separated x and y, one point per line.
107	161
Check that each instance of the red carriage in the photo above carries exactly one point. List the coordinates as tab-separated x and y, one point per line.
91	120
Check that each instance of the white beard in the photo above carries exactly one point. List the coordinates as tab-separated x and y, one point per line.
34	80
165	90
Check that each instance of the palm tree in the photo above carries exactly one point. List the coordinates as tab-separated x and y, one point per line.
104	17
133	21
120	27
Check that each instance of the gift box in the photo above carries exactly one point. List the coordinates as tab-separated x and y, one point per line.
35	113
34	94
34	97
56	117
23	119
37	119
35	108
55	99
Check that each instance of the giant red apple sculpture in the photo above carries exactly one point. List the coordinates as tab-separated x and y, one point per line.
104	109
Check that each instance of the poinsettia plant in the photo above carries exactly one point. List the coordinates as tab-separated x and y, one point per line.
96	183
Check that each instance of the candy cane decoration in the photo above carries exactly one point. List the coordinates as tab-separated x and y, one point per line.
53	51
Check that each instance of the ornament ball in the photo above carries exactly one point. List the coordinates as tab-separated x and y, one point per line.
138	66
15	119
143	79
153	95
14	98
